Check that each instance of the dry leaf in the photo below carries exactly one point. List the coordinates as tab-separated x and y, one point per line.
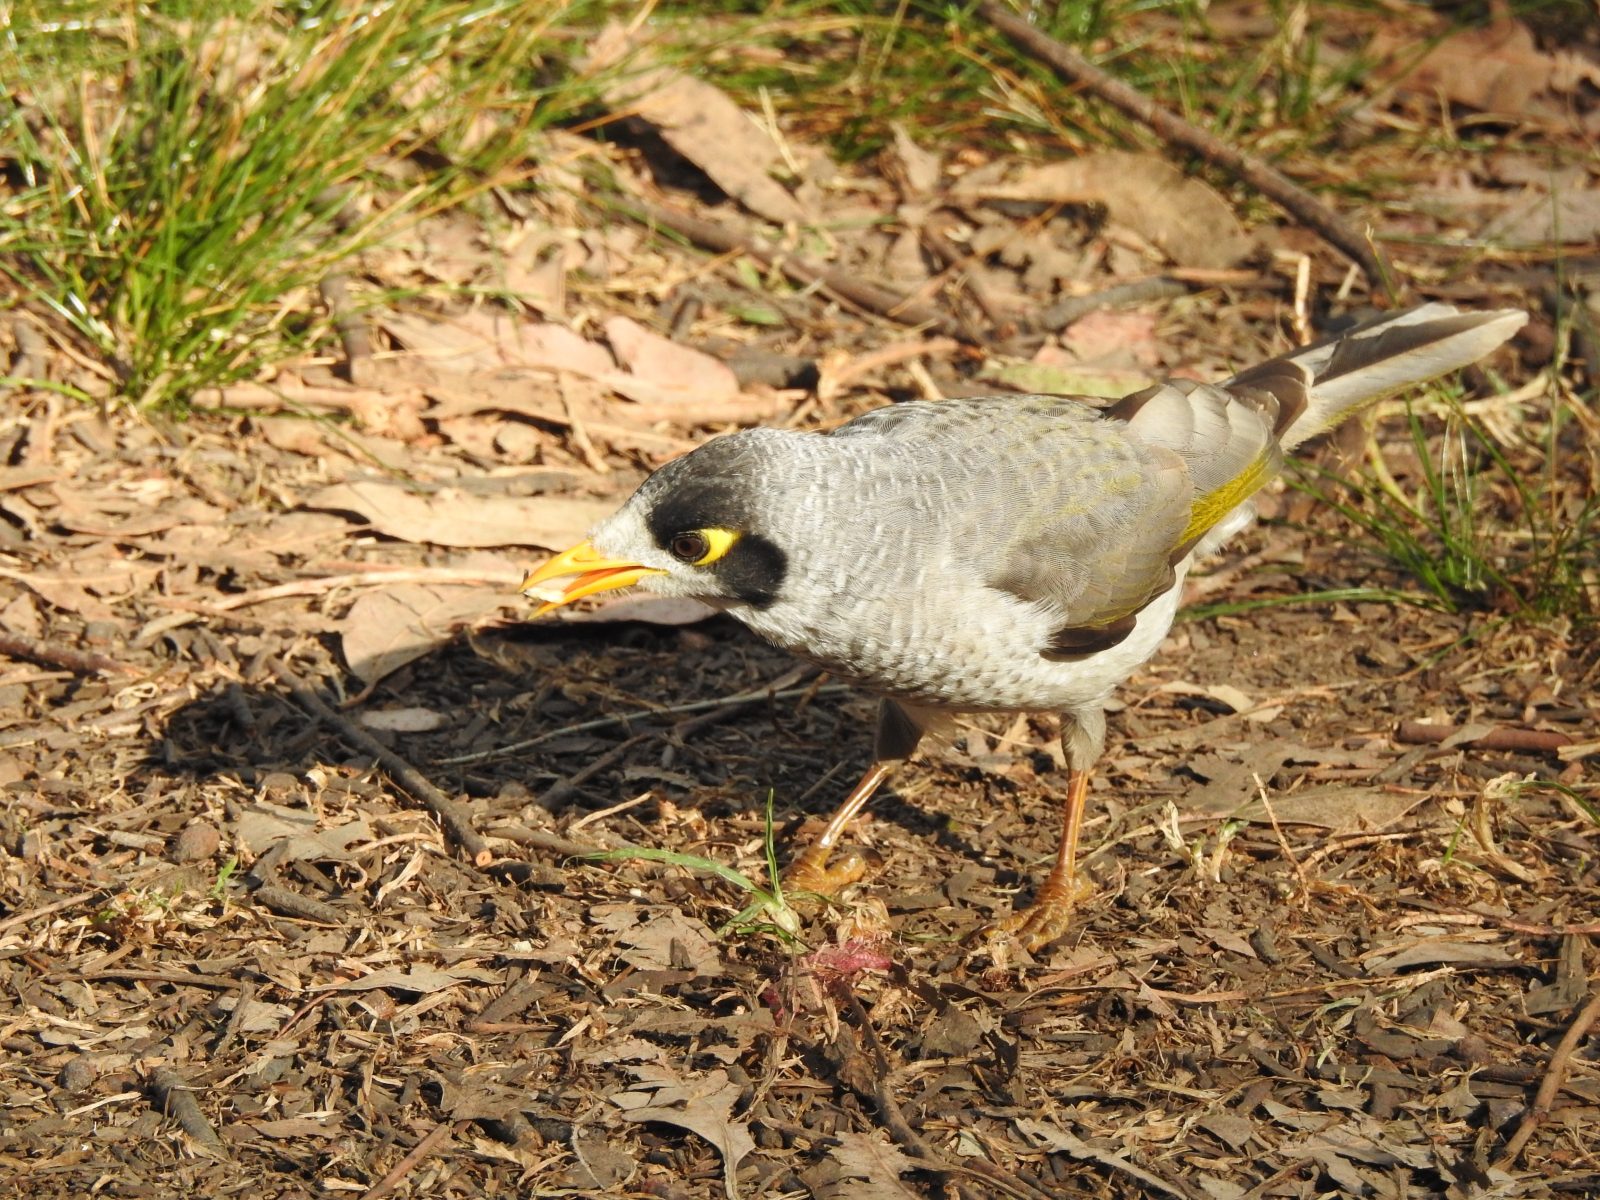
263	825
453	518
650	610
1187	219
1115	340
1497	68
389	627
659	939
1540	217
665	369
872	1167
1053	1137
417	978
703	1105
701	123
403	720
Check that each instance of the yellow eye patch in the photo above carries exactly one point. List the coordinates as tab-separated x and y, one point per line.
702	547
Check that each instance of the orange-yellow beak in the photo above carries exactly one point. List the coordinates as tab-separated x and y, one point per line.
594	574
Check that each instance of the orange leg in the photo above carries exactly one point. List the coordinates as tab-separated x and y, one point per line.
810	872
1050	914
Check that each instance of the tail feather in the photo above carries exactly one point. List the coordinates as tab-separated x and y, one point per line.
1318	386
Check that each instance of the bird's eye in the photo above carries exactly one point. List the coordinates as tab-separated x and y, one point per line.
690	547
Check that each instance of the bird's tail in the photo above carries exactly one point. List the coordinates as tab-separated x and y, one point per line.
1318	386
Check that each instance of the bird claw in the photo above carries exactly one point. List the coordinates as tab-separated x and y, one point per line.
1048	917
813	873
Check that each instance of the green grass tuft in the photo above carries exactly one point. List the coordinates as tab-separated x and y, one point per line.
1473	529
183	177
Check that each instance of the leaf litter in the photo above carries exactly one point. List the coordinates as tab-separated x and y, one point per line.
1318	960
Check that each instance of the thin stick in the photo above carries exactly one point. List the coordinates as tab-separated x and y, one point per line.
603	813
1294	199
627	719
23	648
894	1121
436	1138
383	577
1140	291
177	1101
1554	1076
55	906
846	286
1283	842
1528	741
230	1031
456	822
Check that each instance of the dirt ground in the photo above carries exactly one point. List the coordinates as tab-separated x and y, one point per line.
242	955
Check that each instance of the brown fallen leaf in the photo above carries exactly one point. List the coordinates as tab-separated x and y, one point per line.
1187	219
489	353
659	939
699	121
702	1104
870	1167
418	978
453	518
650	610
386	628
264	825
404	720
1497	68
660	368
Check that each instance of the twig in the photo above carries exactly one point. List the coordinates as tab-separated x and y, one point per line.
509	1003
335	288
439	1135
557	792
1064	312
602	813
894	1121
17	646
850	288
55	906
1536	741
220	983
1283	842
177	1101
628	719
1299	203
230	1031
368	578
540	839
32	358
455	821
1591	929
290	903
1554	1077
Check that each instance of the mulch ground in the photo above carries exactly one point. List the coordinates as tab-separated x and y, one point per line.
244	953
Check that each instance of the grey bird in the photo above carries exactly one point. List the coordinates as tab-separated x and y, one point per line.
1007	554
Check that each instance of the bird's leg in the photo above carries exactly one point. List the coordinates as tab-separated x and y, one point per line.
1049	916
810	872
897	736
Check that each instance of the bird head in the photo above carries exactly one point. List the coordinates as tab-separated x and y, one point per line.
696	528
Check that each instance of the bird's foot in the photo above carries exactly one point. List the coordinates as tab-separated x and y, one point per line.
813	873
1049	916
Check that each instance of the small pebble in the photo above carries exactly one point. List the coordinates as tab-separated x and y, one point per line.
78	1073
1474	1049
198	840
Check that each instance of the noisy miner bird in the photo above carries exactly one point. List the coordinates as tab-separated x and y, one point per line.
1008	554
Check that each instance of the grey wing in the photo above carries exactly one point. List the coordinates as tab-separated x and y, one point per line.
1098	518
1067	511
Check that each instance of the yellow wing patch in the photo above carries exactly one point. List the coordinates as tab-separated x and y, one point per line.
1207	510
